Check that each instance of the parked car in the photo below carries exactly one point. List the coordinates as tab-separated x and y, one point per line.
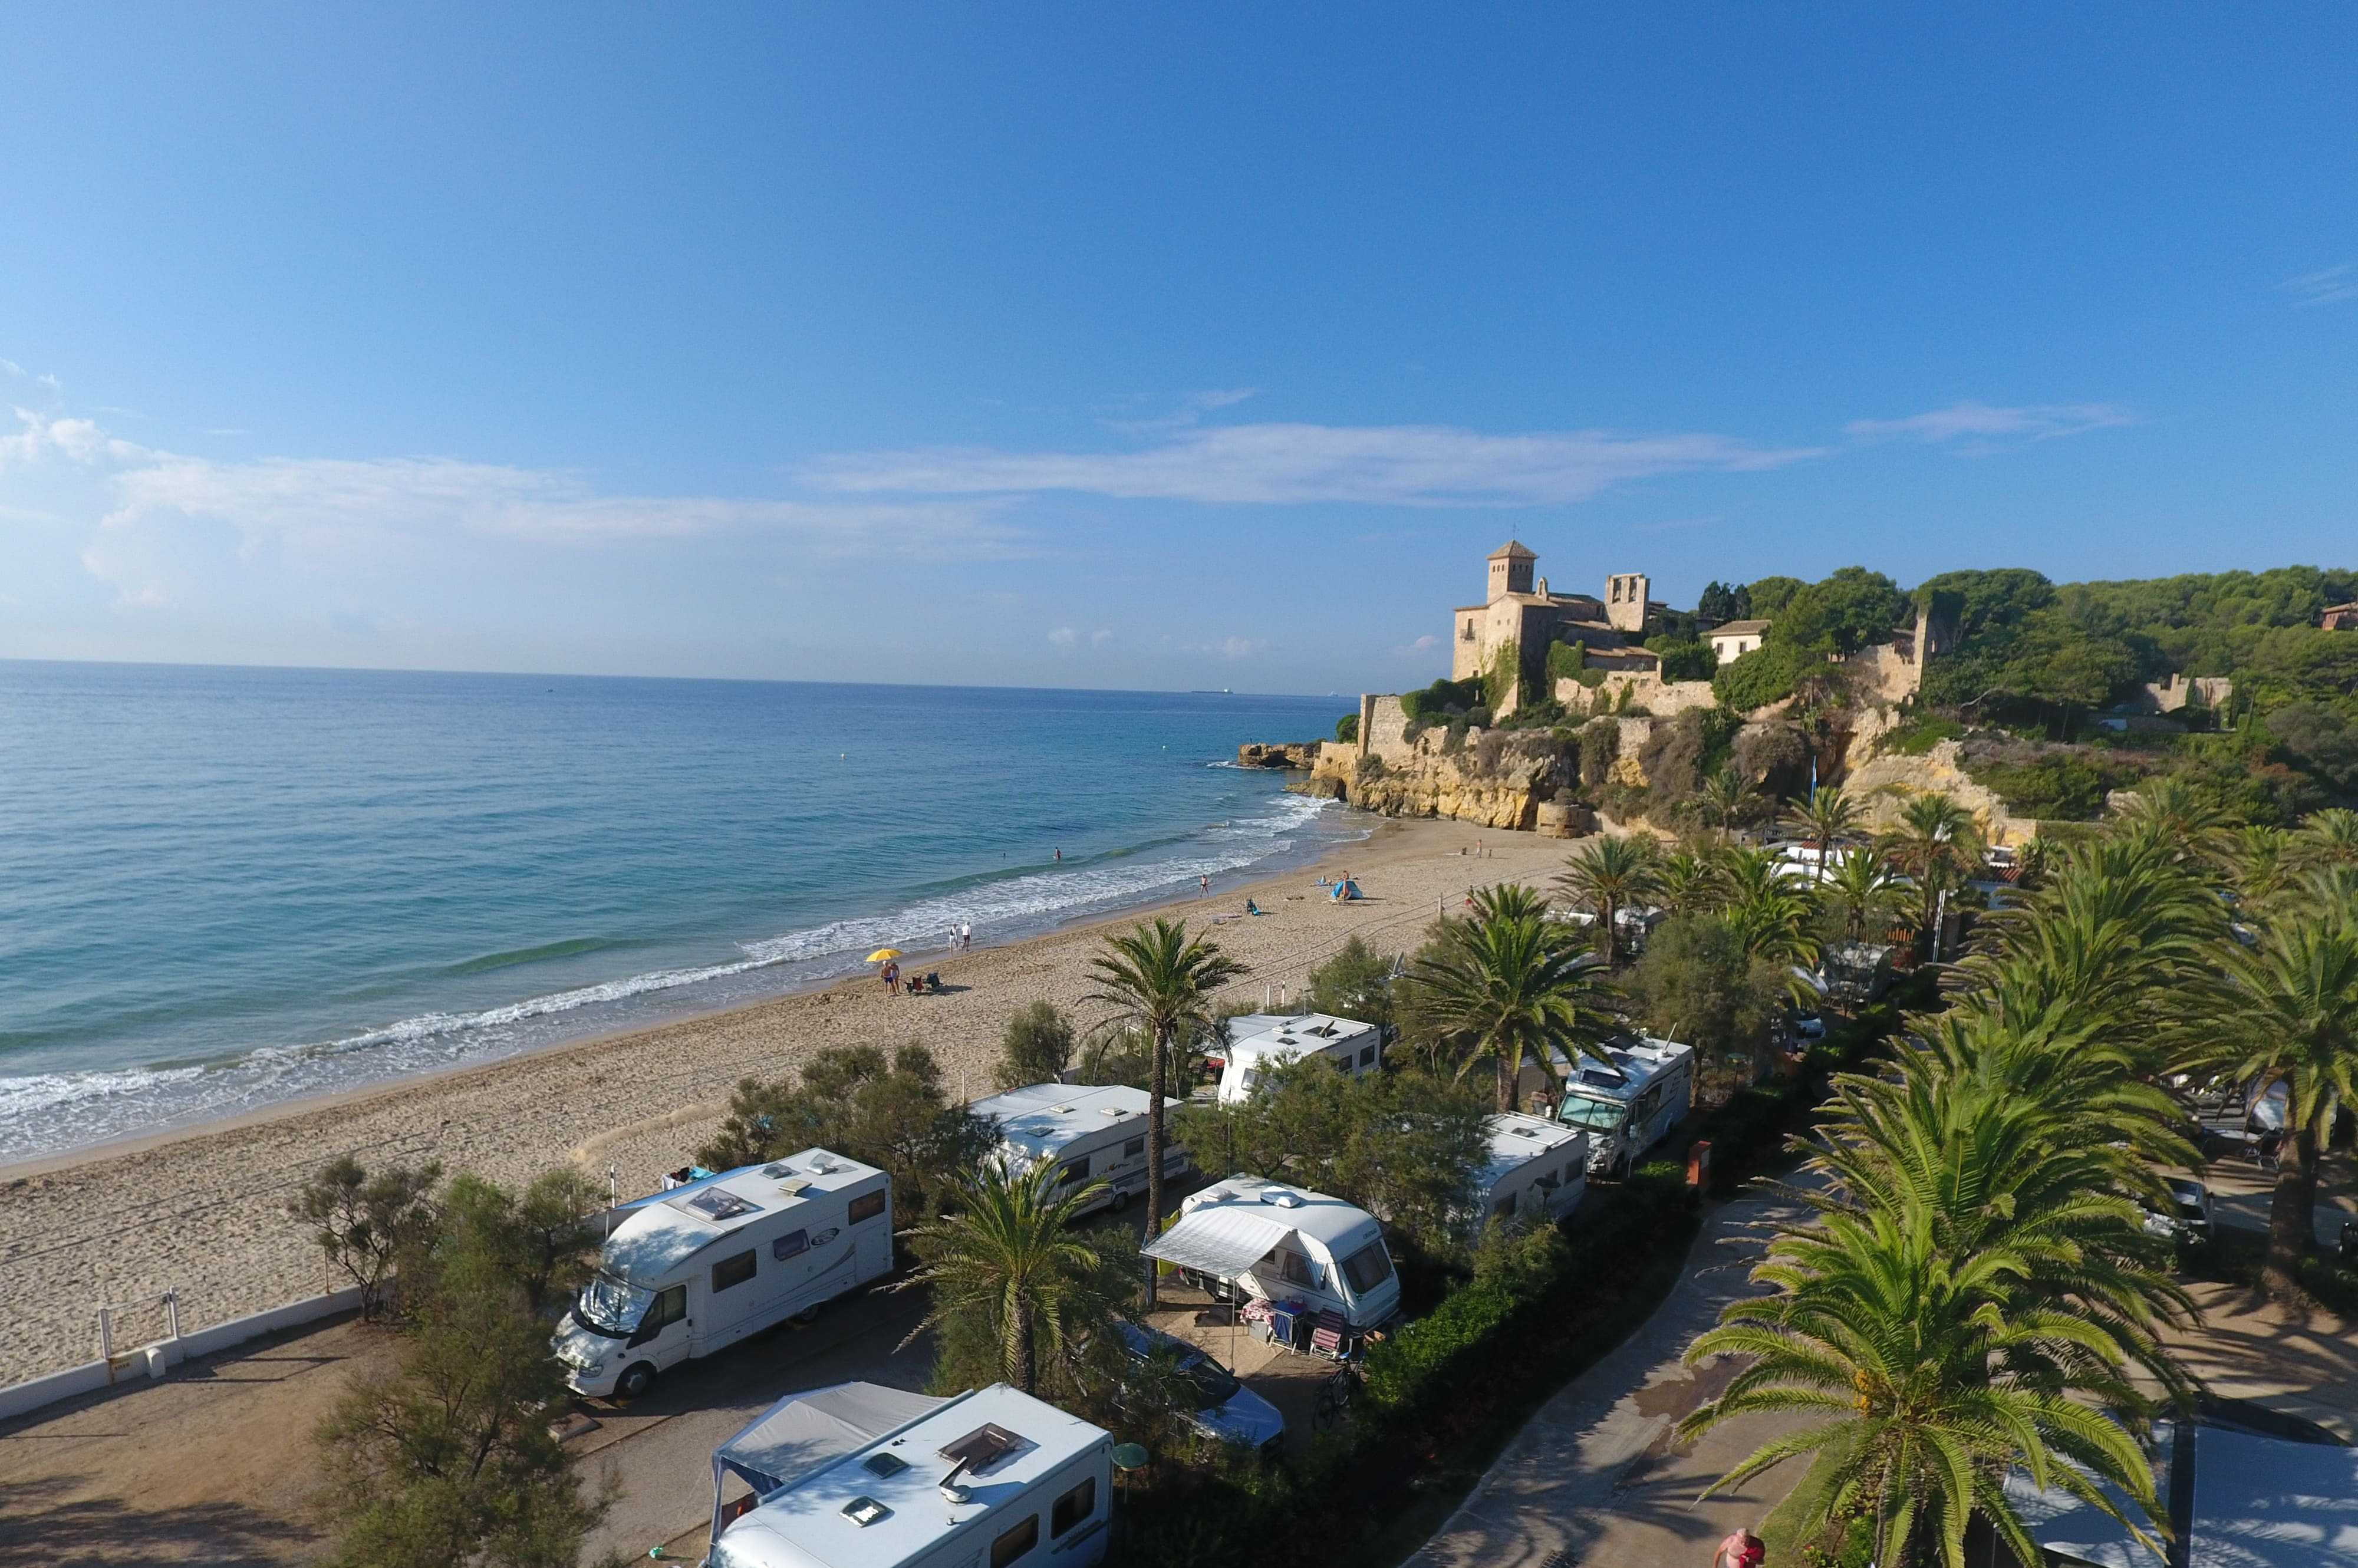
2192	1221
1227	1411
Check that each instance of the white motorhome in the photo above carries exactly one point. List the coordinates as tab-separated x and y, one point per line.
1631	1104
1536	1167
993	1474
1093	1134
1357	1048
700	1267
1280	1243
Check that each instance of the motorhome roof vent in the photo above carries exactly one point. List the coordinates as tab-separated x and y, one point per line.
883	1465
865	1512
1114	1111
777	1173
1527	1132
715	1205
981	1449
821	1165
795	1186
1062	1109
1281	1198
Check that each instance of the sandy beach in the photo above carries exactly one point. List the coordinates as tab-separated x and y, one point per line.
202	1212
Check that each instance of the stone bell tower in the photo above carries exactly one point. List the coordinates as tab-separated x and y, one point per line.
1510	569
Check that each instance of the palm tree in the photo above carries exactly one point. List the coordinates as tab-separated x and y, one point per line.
2327	839
1862	895
1935	1379
1726	799
1606	876
1825	818
1773	911
1009	1254
1159	982
1687	878
1937	845
2262	860
2293	1021
1514	990
2174	810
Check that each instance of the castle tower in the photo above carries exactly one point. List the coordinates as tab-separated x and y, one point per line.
1625	602
1510	568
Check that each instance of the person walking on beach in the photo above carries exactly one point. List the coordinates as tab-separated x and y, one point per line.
965	937
1205	883
891	973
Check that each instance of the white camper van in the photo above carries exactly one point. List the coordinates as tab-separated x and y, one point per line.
1357	1048
992	1472
1631	1105
700	1267
1282	1243
1095	1134
1537	1168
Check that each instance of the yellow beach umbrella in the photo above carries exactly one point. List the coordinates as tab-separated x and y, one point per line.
881	954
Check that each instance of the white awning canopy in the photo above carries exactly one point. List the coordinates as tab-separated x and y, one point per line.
805	1433
1221	1242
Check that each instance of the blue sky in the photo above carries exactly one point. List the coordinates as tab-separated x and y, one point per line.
1132	346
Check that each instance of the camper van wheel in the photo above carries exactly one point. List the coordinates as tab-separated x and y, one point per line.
809	1314
636	1379
1121	1200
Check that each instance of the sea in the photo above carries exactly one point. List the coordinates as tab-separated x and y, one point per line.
224	888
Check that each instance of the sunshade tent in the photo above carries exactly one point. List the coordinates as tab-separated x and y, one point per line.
881	954
1221	1242
805	1433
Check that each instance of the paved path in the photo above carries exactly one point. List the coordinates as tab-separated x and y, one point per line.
1596	1476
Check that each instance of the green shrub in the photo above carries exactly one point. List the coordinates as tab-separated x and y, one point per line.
1765	674
1921	734
1347	729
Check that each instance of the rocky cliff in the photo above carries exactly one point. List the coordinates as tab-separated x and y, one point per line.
1493	778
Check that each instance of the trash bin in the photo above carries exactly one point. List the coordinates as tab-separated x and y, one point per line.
1699	1164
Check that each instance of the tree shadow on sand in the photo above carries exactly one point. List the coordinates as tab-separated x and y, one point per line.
38	1525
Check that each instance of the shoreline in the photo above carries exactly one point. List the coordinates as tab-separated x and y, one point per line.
362	1094
201	1210
322	1100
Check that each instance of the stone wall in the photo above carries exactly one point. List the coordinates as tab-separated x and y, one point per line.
2175	692
1647	689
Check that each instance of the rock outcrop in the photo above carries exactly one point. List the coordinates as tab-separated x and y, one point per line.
1297	754
1491	777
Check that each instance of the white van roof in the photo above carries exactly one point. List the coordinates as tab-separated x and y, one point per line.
1041	1119
667	1229
1517	1139
1298	1036
1326	1220
893	1485
1636	1063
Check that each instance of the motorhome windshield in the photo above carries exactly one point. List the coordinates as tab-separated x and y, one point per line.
611	1306
1601	1115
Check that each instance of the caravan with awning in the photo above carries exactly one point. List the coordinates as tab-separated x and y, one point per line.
1257	1237
858	1477
1089	1133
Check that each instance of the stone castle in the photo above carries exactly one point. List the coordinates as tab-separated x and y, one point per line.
1520	612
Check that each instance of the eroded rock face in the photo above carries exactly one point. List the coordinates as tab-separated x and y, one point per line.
1299	754
1493	778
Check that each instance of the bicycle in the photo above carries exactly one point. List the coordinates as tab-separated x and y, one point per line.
1338	1393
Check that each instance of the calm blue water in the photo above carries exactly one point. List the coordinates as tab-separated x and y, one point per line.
220	888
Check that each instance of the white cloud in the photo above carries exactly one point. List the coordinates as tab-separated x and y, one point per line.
1191	411
1983	424
1063	636
2329	286
1102	637
1230	647
1425	643
1401	465
10	368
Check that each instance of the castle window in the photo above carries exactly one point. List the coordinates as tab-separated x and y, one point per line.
1468	634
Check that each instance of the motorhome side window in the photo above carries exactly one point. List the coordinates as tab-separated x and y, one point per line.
668	1307
1647	1104
1134	1148
1073	1172
867	1207
789	1245
731	1272
1368	1267
1013	1545
1298	1270
1073	1508
1366	1056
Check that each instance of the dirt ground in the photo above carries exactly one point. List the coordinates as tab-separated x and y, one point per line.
210	1467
